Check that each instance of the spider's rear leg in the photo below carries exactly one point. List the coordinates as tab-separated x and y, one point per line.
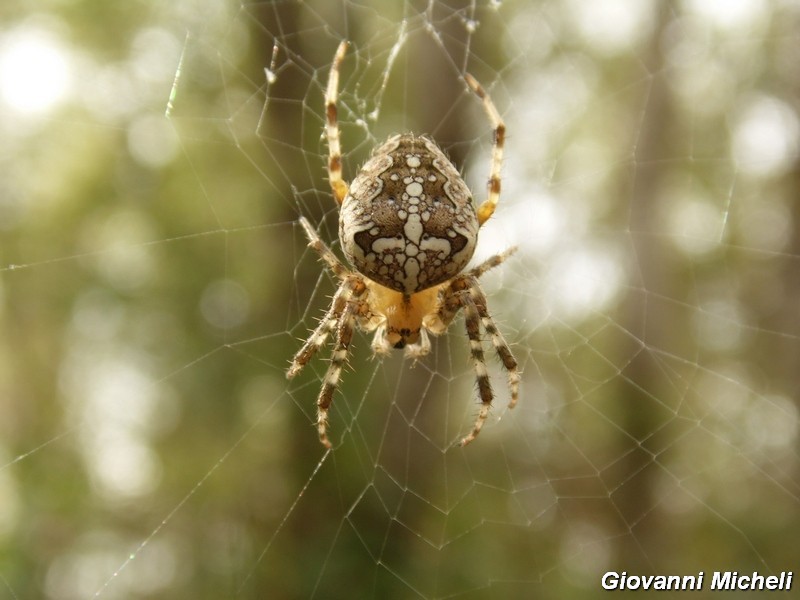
486	209
338	185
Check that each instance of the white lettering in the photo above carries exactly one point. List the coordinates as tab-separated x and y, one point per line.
665	583
757	582
721	581
610	580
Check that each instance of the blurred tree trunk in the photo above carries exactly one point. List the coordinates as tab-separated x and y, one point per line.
641	381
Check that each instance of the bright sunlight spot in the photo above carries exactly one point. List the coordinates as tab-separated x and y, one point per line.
729	14
614	25
34	72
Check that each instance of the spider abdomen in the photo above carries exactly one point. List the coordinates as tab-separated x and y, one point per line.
408	221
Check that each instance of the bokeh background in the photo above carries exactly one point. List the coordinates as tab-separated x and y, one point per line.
154	284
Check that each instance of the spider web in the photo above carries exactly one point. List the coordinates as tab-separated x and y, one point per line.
155	284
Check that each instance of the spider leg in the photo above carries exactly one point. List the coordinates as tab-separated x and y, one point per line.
499	343
344	335
322	249
314	342
486	209
465	292
473	321
491	263
338	185
327	324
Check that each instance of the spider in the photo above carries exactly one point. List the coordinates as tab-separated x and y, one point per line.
408	226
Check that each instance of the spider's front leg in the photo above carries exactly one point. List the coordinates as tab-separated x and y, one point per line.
326	325
472	321
465	292
314	342
329	322
499	343
344	335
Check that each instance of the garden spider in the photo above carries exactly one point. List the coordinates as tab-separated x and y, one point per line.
408	226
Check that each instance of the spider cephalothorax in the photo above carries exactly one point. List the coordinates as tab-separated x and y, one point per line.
408	225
